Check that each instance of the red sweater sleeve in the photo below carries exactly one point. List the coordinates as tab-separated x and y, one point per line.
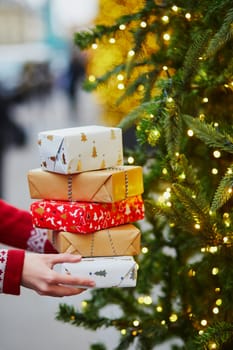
16	230
11	266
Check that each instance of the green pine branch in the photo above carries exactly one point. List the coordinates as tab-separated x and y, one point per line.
210	135
224	191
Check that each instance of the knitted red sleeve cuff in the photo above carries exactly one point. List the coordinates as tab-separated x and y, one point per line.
13	271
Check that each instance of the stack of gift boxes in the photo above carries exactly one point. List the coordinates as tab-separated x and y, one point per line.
89	201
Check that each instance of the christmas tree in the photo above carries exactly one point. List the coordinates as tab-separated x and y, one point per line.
164	70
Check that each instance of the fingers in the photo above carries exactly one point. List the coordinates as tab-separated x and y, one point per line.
63	257
70	280
60	291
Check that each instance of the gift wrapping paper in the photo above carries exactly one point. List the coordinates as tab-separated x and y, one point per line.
107	272
78	149
85	217
114	241
103	186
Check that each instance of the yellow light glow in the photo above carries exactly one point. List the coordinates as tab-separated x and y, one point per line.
201	332
164	171
190	133
165	19
217	154
84	304
213	249
121	86
217	290
163	322
197	226
188	15
123	331
141	300
218	302
212	346
122	27
191	273
112	40
174	8
131	53
214	171
225	240
229	190
167	194
204	323
147	300
130	160
169	204
177	154
229	171
91	78
136	323
141	88
205	100
94	46
165	68
173	318
215	271
120	77
134	333
216	125
143	24
159	308
202	117
144	250
166	36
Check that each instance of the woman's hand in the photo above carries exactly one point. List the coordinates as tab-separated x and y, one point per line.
38	274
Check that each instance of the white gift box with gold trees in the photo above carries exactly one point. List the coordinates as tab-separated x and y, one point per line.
79	149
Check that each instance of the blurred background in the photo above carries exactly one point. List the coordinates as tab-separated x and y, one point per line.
40	88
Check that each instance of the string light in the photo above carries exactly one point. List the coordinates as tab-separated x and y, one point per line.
136	323
215	271
84	304
188	16
130	160
121	86
165	68
174	8
190	133
159	308
218	302
205	100
144	250
91	78
217	290
123	331
120	77
163	322
217	154
165	19
173	318
204	322
197	226
143	24
94	46
131	53
112	40
214	171
122	27
202	117
212	346
215	310
164	171
216	125
166	36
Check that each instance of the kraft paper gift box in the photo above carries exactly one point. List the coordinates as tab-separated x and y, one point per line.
107	272
115	241
85	148
104	186
85	217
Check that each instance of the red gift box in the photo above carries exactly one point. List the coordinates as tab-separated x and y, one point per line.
85	217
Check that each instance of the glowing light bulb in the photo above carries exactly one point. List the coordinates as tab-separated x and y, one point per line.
143	24
205	100
204	323
144	250
112	40
159	308
218	302
174	8
215	271
121	86
131	160
165	19
122	27
214	171
120	77
166	37
123	331
91	78
165	68
94	46
197	226
164	171
131	53
188	15
190	133
217	154
173	318
136	323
